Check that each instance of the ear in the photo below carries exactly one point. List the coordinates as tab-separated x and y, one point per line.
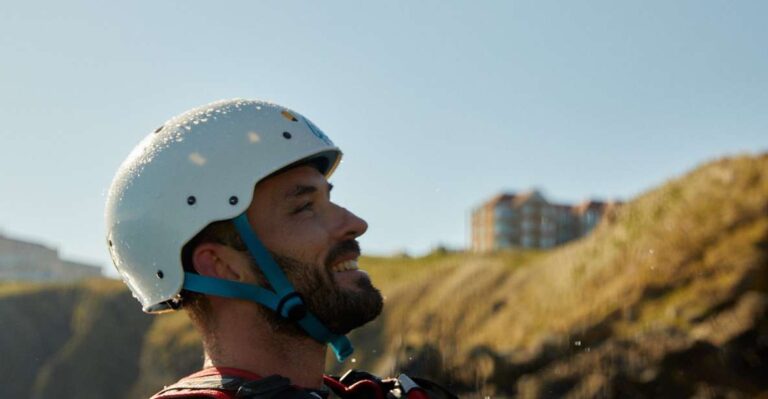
219	261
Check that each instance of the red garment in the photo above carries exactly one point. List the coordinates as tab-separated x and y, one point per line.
212	373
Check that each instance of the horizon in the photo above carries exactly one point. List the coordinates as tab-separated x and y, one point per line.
109	272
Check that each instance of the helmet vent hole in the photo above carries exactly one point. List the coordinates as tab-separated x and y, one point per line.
160	274
159	129
191	200
233	200
109	242
287	135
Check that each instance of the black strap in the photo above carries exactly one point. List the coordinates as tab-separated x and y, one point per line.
272	387
276	387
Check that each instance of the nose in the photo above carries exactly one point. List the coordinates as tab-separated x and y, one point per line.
351	225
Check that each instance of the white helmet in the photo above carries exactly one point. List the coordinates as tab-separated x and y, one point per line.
198	168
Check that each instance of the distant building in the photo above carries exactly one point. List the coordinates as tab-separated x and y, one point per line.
528	220
28	261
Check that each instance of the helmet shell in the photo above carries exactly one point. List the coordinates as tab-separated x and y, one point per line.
199	167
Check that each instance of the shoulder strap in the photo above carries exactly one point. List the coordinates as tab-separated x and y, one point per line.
232	387
214	386
274	387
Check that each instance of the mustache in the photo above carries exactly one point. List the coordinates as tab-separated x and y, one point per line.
342	249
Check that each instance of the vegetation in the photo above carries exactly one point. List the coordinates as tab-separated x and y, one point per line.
668	296
655	274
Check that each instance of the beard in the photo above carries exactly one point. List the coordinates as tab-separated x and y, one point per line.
339	309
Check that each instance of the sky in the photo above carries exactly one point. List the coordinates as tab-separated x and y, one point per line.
437	105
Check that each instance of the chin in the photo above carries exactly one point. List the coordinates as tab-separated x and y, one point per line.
352	278
356	306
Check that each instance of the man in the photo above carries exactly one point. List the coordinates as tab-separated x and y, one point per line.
225	211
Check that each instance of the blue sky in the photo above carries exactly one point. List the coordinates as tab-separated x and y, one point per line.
436	104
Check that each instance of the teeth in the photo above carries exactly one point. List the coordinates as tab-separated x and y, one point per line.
346	265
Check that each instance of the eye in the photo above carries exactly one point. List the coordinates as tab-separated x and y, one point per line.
302	208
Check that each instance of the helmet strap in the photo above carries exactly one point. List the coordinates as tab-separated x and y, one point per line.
284	300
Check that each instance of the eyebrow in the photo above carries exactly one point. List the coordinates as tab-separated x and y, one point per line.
301	189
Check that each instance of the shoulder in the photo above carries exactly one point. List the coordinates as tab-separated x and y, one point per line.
212	382
228	383
207	383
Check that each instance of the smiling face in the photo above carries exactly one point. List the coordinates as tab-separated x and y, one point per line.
314	242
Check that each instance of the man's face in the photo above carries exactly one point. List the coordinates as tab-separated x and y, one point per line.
313	240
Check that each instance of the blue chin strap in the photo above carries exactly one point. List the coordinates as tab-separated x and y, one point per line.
284	300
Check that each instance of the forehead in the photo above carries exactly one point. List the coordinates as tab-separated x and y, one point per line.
285	182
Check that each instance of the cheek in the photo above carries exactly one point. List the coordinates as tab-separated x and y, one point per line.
305	242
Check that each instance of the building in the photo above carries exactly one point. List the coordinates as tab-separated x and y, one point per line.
528	220
28	261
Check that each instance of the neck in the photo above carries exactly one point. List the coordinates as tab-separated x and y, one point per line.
250	343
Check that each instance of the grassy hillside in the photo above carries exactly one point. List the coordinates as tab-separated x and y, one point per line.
35	324
668	297
87	335
683	265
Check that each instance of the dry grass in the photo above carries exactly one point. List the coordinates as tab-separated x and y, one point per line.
662	261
